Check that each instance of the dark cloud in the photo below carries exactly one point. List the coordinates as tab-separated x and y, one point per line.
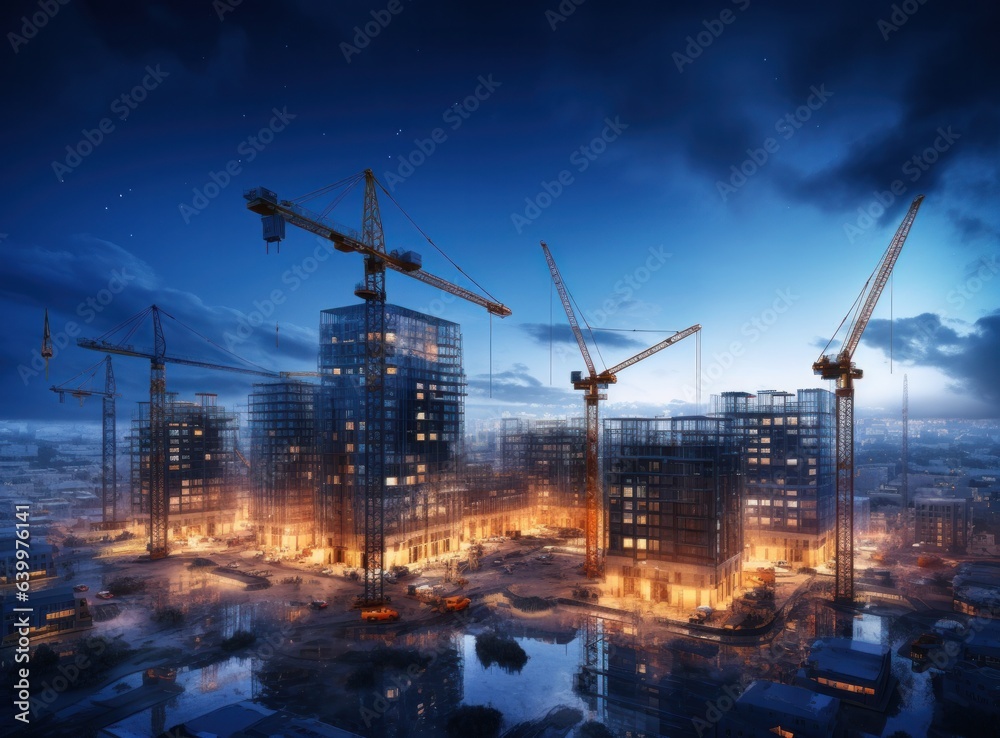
542	333
968	359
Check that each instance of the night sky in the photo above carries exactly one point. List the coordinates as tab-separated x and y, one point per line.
739	164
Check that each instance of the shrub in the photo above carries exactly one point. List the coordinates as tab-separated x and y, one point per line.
474	721
239	639
506	653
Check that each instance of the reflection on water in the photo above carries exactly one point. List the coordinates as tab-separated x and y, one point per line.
612	670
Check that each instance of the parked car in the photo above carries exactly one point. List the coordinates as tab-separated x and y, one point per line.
81	588
380	614
456	603
318	604
233	564
105	595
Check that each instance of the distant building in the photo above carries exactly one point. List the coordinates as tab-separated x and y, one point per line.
674	527
943	523
286	468
40	559
854	671
976	589
550	456
973	682
496	503
52	611
788	443
425	389
766	709
201	479
862	515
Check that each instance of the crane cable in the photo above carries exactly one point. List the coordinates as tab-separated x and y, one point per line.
431	242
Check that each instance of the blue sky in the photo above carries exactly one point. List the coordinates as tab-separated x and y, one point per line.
616	134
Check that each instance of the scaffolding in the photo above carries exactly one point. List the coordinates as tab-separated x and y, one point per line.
202	480
674	510
549	455
423	435
788	444
285	468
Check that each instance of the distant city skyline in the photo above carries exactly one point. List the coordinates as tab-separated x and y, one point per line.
727	164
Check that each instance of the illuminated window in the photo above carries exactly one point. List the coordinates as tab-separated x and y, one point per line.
627	543
198	431
391	481
641	544
349	425
421	437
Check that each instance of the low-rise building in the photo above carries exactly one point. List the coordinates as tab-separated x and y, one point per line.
976	589
766	709
40	558
50	611
855	672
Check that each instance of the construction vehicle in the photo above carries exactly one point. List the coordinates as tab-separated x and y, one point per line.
591	385
840	367
370	242
380	614
455	604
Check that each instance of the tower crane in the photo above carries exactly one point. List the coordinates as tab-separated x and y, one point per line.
158	358
46	351
109	462
370	242
841	368
591	385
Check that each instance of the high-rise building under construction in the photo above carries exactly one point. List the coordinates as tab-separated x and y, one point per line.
202	480
424	391
673	494
788	442
286	469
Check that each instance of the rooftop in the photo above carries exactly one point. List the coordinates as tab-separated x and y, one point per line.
789	700
846	657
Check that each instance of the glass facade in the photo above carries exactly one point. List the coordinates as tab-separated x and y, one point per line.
201	476
285	476
789	444
425	391
673	500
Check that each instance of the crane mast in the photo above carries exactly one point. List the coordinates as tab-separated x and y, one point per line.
109	462
379	394
592	385
158	358
842	369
